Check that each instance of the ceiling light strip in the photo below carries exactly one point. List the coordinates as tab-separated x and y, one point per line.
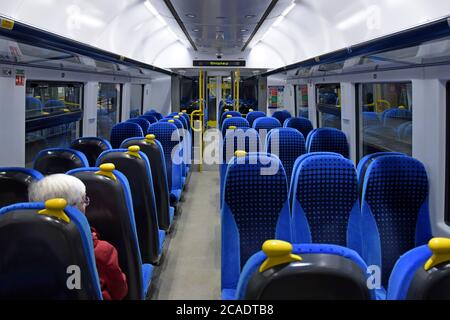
180	23
260	22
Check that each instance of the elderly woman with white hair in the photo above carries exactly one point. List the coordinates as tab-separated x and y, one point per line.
112	280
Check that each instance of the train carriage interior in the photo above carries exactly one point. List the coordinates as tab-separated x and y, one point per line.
225	150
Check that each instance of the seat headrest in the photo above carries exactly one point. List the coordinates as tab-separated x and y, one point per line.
124	130
142	122
37	264
14	184
59	160
91	147
325	272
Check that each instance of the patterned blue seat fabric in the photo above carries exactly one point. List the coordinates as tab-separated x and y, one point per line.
255	208
155	114
326	207
341	268
151	118
297	164
237	122
142	122
329	140
59	160
14	183
186	145
301	124
164	131
282	116
234	114
245	139
395	214
253	115
364	164
288	144
123	131
266	123
41	273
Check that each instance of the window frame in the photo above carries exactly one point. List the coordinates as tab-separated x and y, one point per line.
316	102
80	85
358	114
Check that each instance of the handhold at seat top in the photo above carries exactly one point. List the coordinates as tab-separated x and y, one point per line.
171	121
441	252
150	138
55	208
134	151
240	153
229	116
106	170
278	252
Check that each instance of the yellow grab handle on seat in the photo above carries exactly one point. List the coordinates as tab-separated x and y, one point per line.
134	151
55	208
278	252
441	252
106	170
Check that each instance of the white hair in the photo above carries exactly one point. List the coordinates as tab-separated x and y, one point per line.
58	186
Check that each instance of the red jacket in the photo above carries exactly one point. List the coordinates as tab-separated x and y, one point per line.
113	281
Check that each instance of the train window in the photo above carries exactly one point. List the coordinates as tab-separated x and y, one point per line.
136	100
385	113
108	108
329	105
53	116
301	101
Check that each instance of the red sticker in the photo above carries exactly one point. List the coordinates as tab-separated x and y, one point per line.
20	81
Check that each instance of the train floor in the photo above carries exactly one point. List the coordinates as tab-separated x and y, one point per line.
190	267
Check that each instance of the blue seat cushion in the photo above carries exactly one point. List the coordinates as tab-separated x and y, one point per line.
162	238
147	274
228	294
171	213
175	195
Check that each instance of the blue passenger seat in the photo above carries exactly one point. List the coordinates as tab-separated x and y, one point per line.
14	183
282	115
38	244
328	140
326	207
155	154
255	208
167	134
422	273
135	165
142	122
91	147
59	160
111	213
395	214
303	125
123	131
288	144
253	115
304	272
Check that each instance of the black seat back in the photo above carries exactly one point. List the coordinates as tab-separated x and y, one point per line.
134	165
110	212
316	277
91	147
59	160
14	183
40	252
153	150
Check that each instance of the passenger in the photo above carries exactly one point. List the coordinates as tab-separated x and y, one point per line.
113	281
